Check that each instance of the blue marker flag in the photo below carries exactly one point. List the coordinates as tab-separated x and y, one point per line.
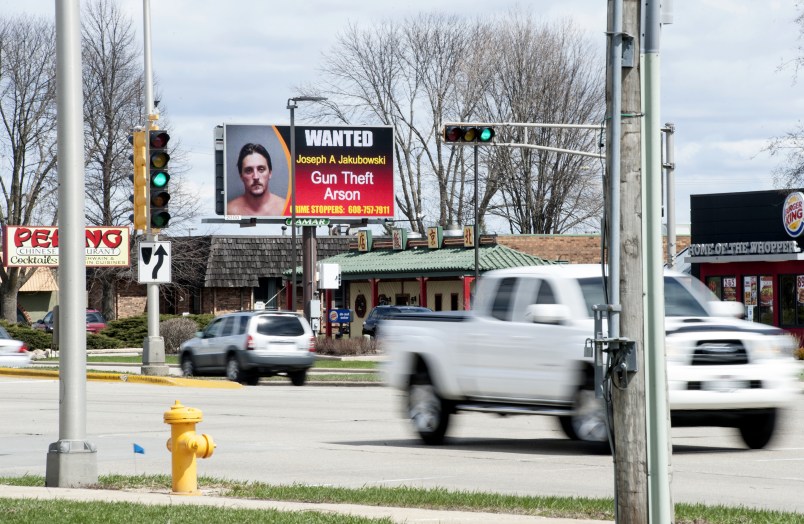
139	449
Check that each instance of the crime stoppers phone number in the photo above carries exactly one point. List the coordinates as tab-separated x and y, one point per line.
369	210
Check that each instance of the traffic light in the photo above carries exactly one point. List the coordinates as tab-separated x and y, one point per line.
160	177
480	134
139	179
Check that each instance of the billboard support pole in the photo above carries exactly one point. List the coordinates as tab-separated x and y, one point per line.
292	105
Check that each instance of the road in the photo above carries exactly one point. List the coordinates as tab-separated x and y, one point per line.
355	436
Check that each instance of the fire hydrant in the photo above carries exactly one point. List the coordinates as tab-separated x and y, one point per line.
185	445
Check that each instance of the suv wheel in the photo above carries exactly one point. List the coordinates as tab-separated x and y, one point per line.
187	366
298	378
233	371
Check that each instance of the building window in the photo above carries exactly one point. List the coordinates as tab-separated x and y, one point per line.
791	300
438	306
725	288
766	300
453	301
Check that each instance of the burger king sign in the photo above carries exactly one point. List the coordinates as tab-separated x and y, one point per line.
793	214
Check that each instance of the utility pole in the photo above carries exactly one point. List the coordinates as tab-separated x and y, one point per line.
628	392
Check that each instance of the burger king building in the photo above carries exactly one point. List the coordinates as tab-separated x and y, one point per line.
749	247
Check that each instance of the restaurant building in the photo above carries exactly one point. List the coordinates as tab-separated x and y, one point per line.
748	247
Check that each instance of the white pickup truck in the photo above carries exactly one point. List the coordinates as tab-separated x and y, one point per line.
521	351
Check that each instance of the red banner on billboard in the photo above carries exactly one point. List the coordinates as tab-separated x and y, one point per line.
38	246
340	171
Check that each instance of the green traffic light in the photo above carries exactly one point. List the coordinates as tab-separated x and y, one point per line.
159	179
486	134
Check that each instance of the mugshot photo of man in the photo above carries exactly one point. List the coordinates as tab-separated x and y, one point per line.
255	169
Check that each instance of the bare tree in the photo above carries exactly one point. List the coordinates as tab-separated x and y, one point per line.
404	74
790	146
27	135
417	73
113	106
546	74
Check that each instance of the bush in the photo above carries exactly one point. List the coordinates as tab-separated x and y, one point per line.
102	341
798	353
345	346
129	331
175	331
33	338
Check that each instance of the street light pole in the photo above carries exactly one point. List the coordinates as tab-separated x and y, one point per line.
292	105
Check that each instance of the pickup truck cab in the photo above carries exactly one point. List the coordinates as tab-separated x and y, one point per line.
521	351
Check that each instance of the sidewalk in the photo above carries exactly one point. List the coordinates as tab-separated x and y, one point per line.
400	515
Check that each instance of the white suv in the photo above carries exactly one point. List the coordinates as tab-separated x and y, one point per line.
251	344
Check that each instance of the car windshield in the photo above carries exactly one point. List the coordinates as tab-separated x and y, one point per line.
683	296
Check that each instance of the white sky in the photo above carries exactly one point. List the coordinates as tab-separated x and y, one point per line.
238	62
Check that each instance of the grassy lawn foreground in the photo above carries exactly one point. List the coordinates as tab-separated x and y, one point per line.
19	511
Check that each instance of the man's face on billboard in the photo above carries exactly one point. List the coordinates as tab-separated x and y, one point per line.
255	174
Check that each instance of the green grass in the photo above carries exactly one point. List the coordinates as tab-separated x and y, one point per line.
561	507
346	364
18	511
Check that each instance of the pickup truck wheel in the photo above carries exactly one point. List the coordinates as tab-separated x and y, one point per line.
757	430
588	421
428	412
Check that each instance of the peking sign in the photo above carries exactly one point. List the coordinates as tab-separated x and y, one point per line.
32	246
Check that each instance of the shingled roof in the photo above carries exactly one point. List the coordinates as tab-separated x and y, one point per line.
421	261
240	261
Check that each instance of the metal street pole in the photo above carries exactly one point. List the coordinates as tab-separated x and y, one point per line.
476	233
292	295
292	105
71	461
153	347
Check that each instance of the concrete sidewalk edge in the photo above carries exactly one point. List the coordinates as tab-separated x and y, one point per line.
402	515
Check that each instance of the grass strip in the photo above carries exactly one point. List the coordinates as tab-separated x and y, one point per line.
27	511
436	498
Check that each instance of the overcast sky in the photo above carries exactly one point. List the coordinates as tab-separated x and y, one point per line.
723	84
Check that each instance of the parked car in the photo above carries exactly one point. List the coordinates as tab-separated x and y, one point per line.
13	353
95	322
380	313
247	345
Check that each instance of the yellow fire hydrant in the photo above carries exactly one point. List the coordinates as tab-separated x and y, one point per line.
185	445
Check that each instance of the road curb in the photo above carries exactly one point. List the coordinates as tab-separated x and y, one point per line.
129	378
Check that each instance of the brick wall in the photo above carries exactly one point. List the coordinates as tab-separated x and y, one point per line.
572	249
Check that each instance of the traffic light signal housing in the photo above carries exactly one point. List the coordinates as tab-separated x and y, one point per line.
478	134
139	196
158	160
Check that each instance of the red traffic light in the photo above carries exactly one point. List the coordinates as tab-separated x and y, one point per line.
158	139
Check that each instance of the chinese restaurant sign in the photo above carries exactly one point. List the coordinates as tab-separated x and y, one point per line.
31	246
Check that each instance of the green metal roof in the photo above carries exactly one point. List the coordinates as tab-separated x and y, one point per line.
429	262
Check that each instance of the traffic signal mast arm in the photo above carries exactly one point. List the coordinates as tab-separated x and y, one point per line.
483	133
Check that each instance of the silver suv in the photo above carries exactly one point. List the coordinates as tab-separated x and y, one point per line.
251	344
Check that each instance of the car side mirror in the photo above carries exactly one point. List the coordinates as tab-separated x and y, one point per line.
199	334
547	313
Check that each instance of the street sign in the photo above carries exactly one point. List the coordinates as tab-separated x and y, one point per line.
309	221
154	263
340	316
